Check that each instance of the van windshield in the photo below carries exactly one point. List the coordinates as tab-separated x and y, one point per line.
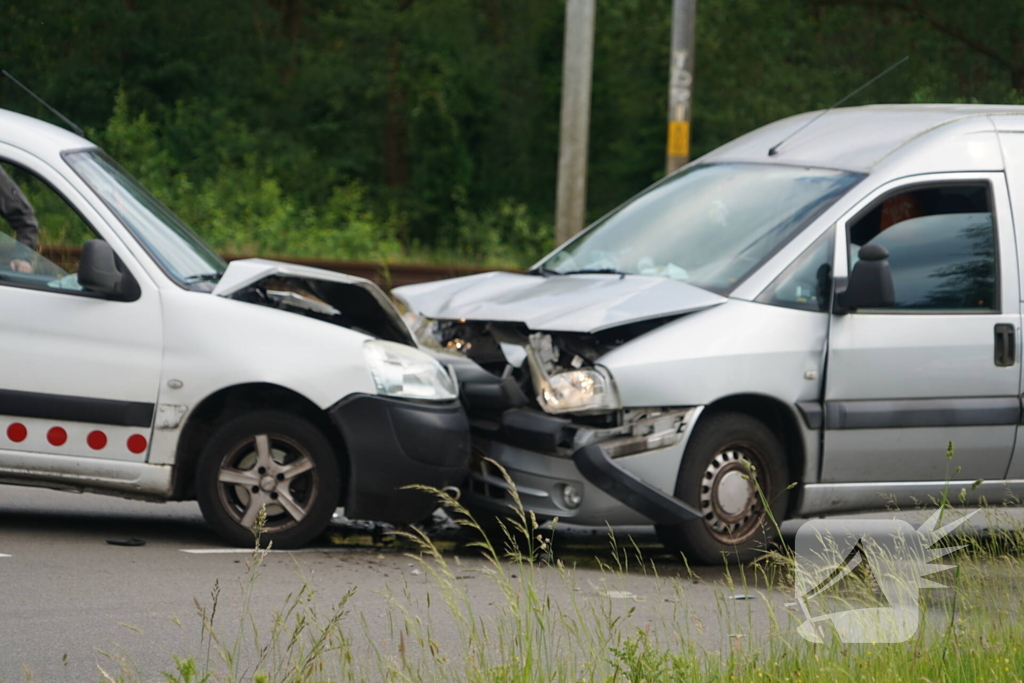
179	251
710	225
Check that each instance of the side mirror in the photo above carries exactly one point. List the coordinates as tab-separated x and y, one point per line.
98	271
870	284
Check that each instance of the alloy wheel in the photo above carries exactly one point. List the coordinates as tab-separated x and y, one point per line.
271	471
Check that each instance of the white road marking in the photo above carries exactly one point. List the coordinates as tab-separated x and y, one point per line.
3	555
248	551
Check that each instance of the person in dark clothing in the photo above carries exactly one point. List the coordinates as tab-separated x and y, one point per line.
18	211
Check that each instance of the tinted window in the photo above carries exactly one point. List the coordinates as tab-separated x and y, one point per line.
941	244
942	262
807	283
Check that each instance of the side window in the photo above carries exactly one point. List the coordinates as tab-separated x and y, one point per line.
807	283
38	234
941	243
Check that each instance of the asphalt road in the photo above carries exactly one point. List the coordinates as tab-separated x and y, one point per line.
74	603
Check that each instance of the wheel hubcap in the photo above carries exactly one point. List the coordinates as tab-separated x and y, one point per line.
729	501
734	492
272	472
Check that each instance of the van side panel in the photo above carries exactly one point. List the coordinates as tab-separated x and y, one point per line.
1011	138
738	348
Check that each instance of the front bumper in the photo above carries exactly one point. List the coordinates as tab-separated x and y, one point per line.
612	472
393	443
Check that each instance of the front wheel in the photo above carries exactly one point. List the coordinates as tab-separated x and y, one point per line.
268	460
727	453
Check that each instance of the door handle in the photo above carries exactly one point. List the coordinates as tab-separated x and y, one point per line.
1006	345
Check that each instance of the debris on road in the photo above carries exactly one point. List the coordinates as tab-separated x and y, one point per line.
130	542
622	595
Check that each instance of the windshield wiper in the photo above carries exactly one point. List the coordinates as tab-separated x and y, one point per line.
603	271
204	277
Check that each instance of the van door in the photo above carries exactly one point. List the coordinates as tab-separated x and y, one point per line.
79	373
943	364
1011	138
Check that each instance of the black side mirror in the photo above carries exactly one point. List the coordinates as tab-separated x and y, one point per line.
870	284
99	271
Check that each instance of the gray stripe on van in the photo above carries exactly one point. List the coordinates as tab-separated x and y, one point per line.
923	412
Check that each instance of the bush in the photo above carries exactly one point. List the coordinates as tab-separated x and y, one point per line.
243	208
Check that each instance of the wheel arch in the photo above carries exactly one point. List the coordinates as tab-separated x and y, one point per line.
234	400
779	417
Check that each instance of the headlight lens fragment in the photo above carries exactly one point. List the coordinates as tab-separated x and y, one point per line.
405	372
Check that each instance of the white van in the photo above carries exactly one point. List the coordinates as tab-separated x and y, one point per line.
157	371
832	311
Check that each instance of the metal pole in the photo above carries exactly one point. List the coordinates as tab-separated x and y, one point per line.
680	83
574	134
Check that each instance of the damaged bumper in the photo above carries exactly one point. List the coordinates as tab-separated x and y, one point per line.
582	457
583	474
393	443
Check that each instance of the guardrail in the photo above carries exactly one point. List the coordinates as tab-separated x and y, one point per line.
385	275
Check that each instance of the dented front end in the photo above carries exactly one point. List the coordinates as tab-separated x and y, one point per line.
542	405
404	427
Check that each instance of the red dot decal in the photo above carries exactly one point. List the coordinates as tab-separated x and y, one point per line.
136	443
57	436
96	440
17	432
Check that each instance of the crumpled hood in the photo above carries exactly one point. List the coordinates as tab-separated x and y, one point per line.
583	303
336	298
244	272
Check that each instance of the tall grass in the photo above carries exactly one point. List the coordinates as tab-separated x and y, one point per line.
549	624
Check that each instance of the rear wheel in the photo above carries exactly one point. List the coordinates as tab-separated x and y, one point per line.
268	460
727	453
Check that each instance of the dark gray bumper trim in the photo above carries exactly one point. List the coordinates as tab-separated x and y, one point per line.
601	471
811	412
923	412
58	407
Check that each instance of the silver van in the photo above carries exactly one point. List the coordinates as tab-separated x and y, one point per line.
827	314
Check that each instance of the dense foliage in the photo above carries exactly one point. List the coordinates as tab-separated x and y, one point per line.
427	129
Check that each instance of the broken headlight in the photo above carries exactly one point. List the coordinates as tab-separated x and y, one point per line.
585	389
419	326
404	372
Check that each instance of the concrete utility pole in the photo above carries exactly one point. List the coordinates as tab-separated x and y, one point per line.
680	83
574	133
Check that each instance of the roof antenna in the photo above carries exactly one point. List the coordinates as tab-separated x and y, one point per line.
43	102
774	150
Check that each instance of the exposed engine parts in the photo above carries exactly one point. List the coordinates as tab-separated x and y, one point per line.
510	372
350	305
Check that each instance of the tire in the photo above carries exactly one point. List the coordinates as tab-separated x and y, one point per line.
300	481
714	477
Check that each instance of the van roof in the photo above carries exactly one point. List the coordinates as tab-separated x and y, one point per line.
37	136
859	138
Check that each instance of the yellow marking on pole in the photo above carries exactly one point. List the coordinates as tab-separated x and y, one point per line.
679	138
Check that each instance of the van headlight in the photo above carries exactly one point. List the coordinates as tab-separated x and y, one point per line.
405	372
585	389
